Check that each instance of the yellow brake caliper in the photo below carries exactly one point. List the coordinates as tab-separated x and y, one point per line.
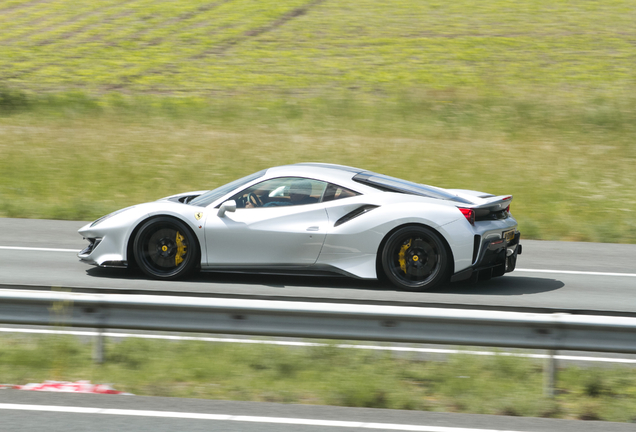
401	259
181	249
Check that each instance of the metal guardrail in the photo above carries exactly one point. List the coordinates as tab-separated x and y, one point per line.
551	332
422	302
321	320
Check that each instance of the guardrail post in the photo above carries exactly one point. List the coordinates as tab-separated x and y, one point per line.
98	347
550	374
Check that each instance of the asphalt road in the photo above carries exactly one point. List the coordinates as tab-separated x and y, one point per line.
550	275
41	254
27	411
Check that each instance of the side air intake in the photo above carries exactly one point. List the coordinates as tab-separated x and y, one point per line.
355	213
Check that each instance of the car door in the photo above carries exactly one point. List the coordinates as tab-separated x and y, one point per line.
278	235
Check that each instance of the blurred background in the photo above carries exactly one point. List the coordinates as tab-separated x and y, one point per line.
106	104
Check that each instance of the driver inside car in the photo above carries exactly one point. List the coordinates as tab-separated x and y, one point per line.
299	194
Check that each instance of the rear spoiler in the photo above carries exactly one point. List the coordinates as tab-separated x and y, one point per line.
493	208
495	203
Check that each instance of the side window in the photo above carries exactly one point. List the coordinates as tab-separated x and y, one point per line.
335	192
283	191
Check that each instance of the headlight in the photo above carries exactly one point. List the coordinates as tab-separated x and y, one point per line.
103	218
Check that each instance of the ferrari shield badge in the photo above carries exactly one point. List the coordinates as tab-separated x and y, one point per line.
198	215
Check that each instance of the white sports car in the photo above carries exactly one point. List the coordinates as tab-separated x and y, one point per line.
314	218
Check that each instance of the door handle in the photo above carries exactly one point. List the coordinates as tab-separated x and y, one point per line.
313	228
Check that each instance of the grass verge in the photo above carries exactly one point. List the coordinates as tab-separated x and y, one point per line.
72	156
323	375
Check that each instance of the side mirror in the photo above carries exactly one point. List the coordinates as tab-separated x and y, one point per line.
227	206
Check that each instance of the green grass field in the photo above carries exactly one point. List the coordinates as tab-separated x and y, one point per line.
304	46
324	375
105	104
567	184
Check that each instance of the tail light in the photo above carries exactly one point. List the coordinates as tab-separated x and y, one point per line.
469	214
506	199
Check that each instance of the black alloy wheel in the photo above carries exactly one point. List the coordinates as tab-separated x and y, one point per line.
414	258
165	248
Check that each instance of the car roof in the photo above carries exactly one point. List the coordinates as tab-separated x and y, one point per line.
320	171
330	166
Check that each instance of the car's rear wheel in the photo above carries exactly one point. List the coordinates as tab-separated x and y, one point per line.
414	258
165	248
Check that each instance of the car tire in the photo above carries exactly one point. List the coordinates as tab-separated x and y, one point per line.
165	248
415	258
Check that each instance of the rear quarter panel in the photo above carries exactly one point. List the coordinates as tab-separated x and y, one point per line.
354	245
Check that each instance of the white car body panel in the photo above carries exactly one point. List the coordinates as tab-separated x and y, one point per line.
117	230
306	236
291	235
348	243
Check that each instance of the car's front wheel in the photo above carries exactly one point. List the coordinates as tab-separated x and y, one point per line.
414	258
165	248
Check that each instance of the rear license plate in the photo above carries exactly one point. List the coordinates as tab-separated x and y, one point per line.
509	235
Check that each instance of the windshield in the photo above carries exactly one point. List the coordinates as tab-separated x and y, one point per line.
209	197
392	184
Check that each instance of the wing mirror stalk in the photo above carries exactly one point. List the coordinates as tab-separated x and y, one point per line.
227	206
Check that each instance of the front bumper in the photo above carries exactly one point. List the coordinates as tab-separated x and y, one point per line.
102	252
493	257
85	257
